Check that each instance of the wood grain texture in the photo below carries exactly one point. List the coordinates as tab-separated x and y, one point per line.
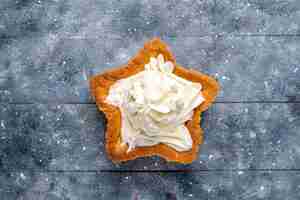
49	49
70	137
248	68
246	185
255	17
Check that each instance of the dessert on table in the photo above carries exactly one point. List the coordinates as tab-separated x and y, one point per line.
153	106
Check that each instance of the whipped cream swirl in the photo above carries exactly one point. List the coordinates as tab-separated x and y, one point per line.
155	104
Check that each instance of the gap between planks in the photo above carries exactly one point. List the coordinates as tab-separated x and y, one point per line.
93	103
157	171
171	36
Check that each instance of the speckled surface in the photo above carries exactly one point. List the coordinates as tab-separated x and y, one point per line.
52	135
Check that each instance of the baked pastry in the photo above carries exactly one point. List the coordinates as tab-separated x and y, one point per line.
153	106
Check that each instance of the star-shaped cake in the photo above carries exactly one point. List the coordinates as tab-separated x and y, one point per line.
153	106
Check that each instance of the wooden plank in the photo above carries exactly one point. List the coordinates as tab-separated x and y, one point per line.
248	68
71	137
211	185
245	136
31	185
257	17
52	137
257	68
43	70
258	136
244	185
92	18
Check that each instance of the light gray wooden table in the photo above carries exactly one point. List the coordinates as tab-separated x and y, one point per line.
52	135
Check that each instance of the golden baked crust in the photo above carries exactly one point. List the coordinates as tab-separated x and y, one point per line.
100	84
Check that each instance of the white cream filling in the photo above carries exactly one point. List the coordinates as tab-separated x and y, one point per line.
155	104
